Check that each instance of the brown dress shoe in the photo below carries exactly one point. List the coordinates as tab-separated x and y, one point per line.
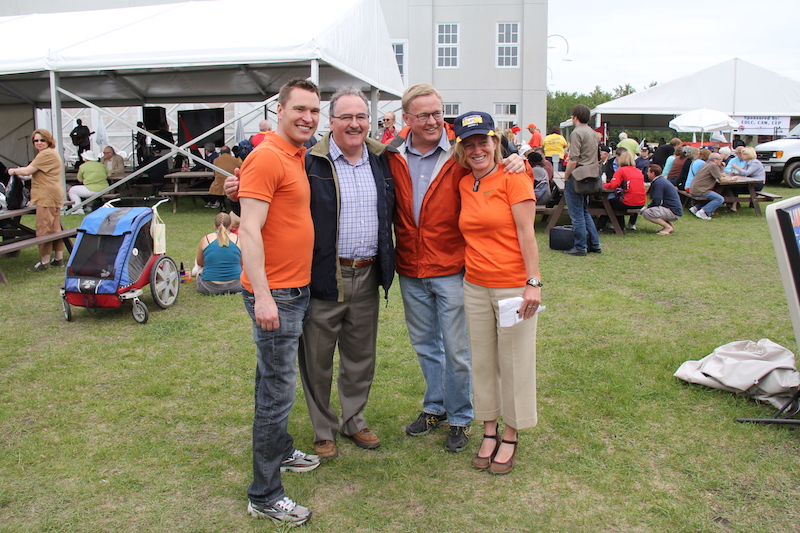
326	449
365	439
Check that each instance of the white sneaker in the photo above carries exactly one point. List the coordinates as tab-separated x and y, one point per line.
300	462
702	214
284	511
693	209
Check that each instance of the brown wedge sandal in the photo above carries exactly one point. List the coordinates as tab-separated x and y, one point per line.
503	468
482	463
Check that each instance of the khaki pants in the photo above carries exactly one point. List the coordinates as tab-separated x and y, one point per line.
48	220
352	325
503	359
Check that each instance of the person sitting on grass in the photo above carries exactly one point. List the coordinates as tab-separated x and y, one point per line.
221	259
665	205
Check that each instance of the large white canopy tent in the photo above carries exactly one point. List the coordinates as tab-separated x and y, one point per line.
210	51
734	87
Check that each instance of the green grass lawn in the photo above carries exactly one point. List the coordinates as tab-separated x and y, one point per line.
109	425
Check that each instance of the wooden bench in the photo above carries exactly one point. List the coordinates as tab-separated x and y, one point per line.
20	244
761	196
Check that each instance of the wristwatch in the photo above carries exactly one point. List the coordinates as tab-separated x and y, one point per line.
534	282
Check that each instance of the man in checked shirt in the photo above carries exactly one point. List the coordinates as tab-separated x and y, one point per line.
352	199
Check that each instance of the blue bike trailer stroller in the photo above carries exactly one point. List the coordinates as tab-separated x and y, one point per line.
113	259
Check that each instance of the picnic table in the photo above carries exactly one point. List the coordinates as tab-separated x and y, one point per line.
17	236
733	198
182	183
605	208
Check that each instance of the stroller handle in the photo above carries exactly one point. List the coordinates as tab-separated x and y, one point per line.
161	200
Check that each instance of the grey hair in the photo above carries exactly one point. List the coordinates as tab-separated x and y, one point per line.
344	91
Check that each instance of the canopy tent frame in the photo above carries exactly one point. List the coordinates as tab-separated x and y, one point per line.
100	63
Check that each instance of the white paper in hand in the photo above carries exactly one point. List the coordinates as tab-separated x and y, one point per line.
508	311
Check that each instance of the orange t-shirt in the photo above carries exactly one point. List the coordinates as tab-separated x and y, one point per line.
275	173
493	254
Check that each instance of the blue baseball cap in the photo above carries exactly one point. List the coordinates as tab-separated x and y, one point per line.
473	123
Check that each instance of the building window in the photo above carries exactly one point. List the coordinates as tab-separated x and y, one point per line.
505	109
451	111
508	44
447	45
401	54
505	115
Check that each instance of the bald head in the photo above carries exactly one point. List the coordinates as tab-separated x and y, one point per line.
265	125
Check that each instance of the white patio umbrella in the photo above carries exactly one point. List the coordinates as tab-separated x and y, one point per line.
703	120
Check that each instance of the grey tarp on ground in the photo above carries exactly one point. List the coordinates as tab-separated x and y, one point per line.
763	370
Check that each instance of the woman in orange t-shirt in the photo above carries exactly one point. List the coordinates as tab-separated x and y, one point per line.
502	261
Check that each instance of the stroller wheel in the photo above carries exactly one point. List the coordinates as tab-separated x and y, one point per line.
139	311
67	309
164	282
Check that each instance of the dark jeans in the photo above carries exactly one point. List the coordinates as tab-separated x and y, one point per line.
276	373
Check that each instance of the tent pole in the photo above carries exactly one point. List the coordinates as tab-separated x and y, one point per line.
55	119
314	76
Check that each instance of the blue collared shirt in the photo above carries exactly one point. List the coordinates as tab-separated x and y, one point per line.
421	168
358	205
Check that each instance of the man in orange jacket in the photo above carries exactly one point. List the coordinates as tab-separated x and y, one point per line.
429	252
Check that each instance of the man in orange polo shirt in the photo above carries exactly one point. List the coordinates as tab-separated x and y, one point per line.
277	238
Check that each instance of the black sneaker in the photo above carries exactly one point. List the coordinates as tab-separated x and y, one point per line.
57	263
424	423
39	267
284	511
458	439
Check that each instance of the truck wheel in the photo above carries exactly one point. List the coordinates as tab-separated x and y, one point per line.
791	175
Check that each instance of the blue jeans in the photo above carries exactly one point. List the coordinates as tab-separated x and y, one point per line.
437	326
714	201
582	223
275	384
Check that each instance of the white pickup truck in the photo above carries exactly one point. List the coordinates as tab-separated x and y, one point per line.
781	158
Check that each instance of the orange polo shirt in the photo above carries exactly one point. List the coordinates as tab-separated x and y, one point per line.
275	173
493	255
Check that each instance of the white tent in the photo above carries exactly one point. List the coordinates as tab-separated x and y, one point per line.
210	51
735	87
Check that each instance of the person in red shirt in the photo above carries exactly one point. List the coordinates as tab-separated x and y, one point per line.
263	127
634	196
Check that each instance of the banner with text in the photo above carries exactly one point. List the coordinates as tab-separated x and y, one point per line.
762	125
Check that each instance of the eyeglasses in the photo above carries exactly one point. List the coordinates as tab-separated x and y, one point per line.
424	117
361	117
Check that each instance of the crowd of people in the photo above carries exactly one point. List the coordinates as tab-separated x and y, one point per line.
673	166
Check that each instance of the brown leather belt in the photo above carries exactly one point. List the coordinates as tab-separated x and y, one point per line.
358	263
